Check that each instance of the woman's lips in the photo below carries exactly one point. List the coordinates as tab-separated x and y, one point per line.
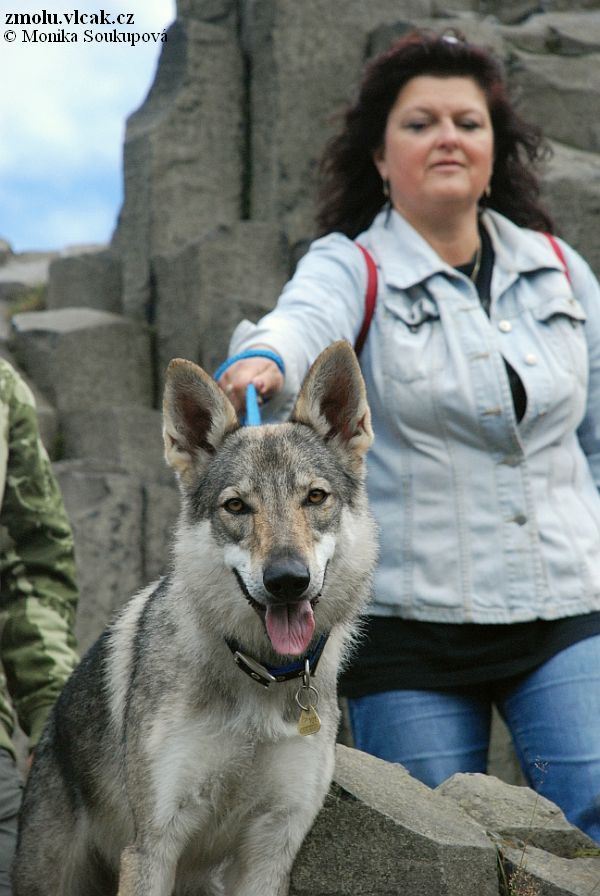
448	163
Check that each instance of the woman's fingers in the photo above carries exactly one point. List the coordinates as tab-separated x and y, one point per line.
262	373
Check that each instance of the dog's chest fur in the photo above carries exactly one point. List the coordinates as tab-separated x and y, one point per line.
211	775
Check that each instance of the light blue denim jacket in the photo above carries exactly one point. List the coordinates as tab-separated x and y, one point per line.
482	519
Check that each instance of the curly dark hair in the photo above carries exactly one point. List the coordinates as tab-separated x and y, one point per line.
351	190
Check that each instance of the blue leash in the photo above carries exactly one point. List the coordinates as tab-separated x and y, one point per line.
252	417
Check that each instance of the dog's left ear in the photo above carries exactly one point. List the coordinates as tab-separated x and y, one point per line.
333	400
197	415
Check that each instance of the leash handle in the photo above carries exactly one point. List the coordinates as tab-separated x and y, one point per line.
251	353
252	417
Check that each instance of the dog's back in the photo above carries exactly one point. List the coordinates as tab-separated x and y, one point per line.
164	766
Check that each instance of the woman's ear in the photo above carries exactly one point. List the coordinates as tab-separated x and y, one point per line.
379	162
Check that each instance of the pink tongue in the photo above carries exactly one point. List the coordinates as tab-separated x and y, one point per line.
290	627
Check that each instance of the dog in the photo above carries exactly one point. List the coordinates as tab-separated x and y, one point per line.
184	755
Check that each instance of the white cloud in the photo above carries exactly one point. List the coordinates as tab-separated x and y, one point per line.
62	114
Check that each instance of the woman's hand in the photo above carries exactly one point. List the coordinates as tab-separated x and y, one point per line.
261	372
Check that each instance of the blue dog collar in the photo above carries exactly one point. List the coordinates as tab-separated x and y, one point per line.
268	675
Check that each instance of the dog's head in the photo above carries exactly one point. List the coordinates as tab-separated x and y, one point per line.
279	508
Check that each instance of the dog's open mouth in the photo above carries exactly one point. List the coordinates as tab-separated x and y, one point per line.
290	626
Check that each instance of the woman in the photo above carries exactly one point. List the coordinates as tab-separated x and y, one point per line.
482	366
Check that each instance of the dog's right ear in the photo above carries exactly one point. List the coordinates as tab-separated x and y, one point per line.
197	415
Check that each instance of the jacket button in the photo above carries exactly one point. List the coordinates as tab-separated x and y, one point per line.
520	519
505	326
531	359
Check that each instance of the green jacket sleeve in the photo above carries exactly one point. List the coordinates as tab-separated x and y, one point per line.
38	594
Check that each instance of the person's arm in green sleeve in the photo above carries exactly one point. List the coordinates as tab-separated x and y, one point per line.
37	567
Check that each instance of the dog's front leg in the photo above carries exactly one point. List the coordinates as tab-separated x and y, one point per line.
264	857
143	873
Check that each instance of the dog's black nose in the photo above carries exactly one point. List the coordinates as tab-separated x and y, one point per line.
286	579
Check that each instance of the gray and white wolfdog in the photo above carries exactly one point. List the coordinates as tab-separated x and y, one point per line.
183	755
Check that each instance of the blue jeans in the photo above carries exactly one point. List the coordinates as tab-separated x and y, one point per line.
553	714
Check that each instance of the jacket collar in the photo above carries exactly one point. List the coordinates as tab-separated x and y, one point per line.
406	258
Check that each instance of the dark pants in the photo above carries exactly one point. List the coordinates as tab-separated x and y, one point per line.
11	789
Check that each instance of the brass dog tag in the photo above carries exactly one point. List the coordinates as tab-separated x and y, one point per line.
309	722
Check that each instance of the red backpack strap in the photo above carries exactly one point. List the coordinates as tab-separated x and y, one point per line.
370	299
559	254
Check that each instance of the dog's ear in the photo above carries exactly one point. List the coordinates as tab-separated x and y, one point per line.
197	415
333	400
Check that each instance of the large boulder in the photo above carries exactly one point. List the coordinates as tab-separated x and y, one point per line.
383	832
515	813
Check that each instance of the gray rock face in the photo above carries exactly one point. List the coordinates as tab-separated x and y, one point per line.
205	290
515	813
518	11
183	152
382	832
562	33
85	358
105	508
26	269
532	872
160	512
571	190
304	59
89	280
557	93
123	529
127	436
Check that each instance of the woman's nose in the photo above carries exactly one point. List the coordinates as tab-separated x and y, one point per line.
447	133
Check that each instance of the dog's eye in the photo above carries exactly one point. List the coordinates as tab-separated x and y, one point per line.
316	496
236	506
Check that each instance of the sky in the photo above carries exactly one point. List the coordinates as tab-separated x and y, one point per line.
63	107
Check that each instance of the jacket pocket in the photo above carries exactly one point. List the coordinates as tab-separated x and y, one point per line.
412	335
563	319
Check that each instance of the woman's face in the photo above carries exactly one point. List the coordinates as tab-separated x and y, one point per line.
438	146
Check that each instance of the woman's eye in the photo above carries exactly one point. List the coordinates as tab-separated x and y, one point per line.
235	506
316	496
416	125
469	125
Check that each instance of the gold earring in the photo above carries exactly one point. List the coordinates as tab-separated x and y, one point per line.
488	191
385	187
